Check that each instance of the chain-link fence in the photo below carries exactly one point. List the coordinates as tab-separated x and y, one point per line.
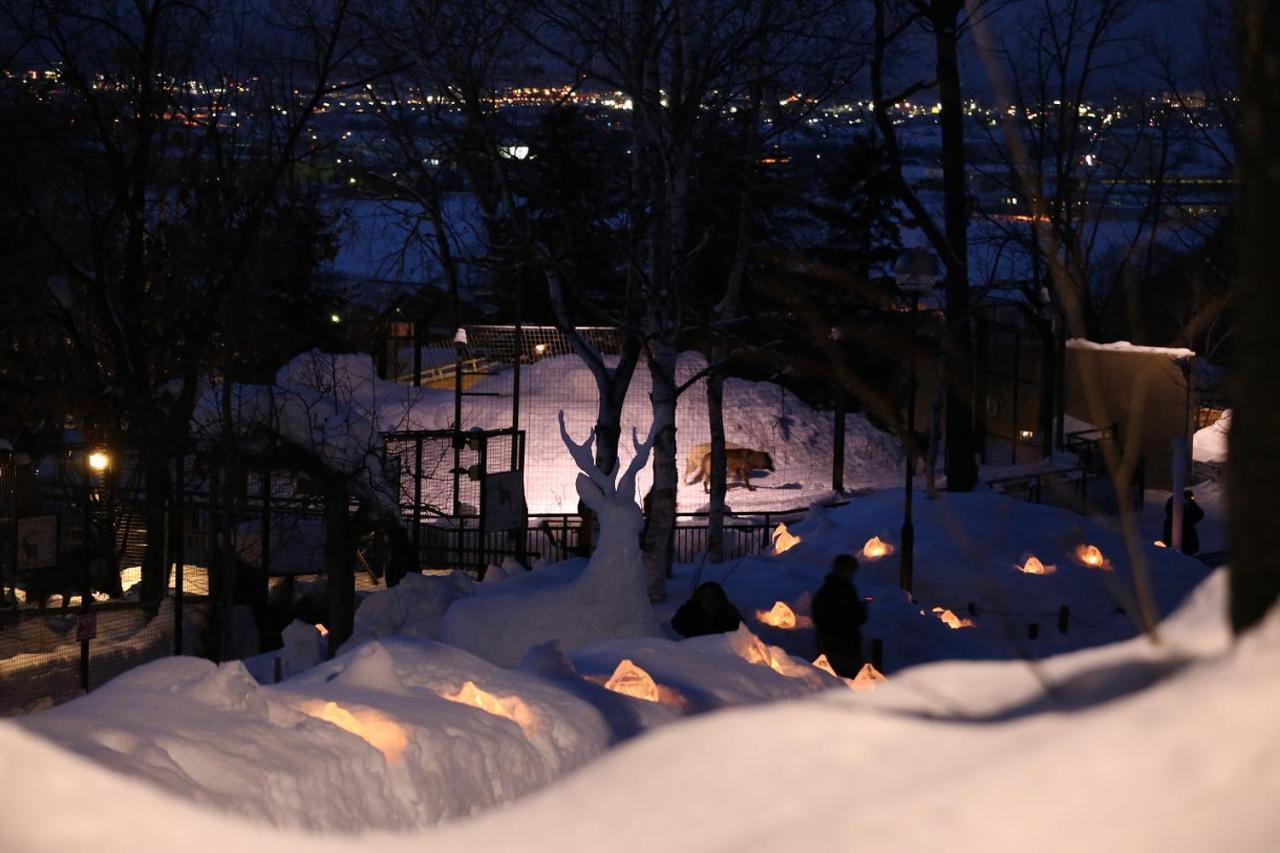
72	544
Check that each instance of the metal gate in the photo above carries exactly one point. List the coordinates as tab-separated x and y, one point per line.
461	495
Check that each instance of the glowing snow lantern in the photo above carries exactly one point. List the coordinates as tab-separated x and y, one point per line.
509	707
781	616
1033	566
951	620
783	539
823	664
1159	543
630	680
876	548
373	727
867	678
99	461
1090	556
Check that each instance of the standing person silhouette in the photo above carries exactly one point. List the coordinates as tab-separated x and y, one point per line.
838	616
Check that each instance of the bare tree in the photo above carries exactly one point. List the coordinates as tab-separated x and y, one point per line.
168	175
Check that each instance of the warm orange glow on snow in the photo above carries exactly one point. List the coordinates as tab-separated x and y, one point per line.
630	680
876	548
781	616
1090	556
324	632
1159	543
1033	566
866	679
951	620
783	539
511	707
373	727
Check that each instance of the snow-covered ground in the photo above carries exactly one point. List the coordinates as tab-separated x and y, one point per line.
402	732
341	400
1128	746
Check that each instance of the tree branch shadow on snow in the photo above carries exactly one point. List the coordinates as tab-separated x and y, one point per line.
1080	692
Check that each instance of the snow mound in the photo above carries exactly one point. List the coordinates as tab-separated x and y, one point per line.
1210	444
415	607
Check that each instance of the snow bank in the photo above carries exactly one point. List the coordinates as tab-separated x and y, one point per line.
1165	749
968	548
1210	444
1125	346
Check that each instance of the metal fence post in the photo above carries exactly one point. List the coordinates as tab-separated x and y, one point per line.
178	507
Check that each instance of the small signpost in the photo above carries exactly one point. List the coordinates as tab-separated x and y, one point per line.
86	626
504	506
37	542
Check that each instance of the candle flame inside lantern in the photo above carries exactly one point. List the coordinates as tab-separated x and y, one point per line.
510	707
630	680
867	678
875	548
373	727
951	620
781	616
783	539
1090	556
823	664
1033	566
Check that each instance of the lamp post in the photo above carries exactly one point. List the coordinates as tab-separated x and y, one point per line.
459	347
916	272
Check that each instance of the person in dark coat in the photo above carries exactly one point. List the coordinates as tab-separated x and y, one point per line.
838	616
1192	514
708	611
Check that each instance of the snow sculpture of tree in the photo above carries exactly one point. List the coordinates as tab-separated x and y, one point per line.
608	600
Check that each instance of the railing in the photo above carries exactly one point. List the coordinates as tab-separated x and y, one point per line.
1083	489
458	543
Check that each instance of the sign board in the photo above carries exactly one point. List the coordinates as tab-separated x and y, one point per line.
86	626
504	506
37	542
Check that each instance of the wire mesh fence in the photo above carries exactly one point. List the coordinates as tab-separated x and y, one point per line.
72	544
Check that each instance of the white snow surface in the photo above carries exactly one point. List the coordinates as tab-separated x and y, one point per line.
1171	748
1210	444
1126	346
337	405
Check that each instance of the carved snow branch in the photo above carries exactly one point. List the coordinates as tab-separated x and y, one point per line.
627	485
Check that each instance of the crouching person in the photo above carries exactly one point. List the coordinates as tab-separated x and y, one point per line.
838	616
708	611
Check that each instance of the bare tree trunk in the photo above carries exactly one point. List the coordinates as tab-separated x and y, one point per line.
1253	465
962	470
661	503
719	460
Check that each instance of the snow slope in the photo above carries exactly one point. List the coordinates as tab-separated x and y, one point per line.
758	415
1164	749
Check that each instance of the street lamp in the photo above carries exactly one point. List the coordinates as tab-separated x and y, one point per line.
460	349
99	461
916	272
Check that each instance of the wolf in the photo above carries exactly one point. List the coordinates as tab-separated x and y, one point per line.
739	463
